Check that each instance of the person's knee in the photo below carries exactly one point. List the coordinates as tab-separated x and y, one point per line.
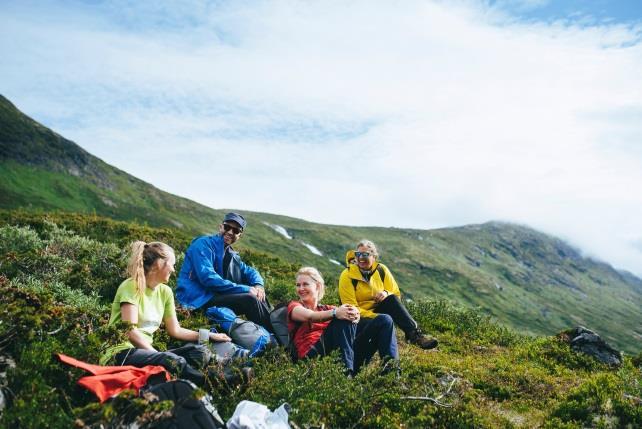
248	300
384	320
200	355
392	298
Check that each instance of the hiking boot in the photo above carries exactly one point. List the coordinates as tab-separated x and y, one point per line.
390	365
426	342
230	377
247	372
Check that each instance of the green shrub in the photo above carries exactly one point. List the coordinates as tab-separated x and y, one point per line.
97	228
62	293
600	402
444	316
87	265
278	275
555	354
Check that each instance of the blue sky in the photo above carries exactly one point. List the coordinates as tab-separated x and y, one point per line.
589	11
411	114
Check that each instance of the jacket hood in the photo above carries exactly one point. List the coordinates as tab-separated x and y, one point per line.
349	255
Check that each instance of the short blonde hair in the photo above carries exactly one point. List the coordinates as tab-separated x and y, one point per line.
315	275
370	246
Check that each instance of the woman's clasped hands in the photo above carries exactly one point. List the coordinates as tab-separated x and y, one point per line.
348	312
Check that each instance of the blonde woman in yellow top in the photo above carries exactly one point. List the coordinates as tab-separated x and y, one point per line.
371	287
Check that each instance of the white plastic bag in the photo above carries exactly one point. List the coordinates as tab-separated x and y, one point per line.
252	415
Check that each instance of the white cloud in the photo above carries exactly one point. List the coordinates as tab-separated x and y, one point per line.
432	113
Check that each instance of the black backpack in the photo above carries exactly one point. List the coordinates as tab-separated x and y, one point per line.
189	410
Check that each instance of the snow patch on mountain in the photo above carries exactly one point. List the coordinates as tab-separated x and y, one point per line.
312	249
280	230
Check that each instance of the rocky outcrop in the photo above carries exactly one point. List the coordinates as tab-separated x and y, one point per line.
583	340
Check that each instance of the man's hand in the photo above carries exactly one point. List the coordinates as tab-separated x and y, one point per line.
380	296
258	292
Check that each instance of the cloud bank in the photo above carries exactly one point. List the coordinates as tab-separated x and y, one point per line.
415	114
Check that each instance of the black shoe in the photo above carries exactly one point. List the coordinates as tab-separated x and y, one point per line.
390	365
426	342
230	377
247	372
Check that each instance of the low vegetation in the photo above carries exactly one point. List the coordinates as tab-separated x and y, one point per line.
59	273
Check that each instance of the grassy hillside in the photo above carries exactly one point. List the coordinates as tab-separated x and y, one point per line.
57	284
43	170
530	281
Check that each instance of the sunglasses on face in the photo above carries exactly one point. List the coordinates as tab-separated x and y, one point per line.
235	230
362	254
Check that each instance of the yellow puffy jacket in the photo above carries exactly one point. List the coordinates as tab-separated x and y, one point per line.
362	295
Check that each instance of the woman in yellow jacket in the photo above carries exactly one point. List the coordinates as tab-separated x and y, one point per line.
370	286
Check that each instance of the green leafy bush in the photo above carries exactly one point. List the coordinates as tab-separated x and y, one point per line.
95	227
600	401
444	316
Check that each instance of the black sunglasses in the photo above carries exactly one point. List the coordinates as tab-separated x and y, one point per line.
227	227
362	254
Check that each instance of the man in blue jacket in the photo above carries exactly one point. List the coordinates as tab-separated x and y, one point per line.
213	274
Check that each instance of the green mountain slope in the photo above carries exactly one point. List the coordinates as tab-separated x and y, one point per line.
43	170
57	288
528	280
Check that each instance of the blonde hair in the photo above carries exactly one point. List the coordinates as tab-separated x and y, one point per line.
370	246
142	259
315	275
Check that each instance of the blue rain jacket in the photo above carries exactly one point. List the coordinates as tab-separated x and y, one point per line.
201	276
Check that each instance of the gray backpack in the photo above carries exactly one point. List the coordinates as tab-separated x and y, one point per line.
279	320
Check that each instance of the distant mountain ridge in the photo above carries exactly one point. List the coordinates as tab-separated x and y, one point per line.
529	280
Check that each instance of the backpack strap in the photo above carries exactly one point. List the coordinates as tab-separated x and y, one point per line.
382	273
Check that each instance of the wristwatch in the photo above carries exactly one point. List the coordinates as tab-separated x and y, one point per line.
334	313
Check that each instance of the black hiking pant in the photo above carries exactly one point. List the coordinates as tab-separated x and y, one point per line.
184	362
393	307
375	335
255	310
338	335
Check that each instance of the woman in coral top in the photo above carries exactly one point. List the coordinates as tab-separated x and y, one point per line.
317	329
